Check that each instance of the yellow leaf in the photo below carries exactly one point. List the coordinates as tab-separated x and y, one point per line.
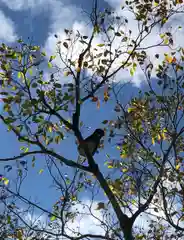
163	136
50	129
131	110
78	69
159	137
41	170
153	141
123	155
6	181
177	167
179	1
155	4
124	170
66	73
168	59
110	166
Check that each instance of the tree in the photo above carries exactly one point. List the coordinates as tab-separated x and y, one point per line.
36	110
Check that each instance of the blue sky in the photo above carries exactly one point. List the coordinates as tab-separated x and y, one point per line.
41	19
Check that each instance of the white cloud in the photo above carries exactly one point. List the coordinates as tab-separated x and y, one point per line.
17	5
7	33
114	3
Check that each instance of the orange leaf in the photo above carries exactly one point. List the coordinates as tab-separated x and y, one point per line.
169	59
94	99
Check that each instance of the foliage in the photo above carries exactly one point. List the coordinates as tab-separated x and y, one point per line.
147	176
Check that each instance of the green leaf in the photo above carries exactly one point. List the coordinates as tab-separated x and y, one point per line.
100	44
49	64
20	75
132	71
105	122
34	85
30	71
96	29
53	218
118	34
8	219
52	58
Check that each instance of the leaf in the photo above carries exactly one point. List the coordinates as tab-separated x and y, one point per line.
162	35
168	58
105	122
100	206
118	34
131	71
130	109
94	99
57	139
106	96
20	75
6	181
155	4
100	44
50	129
123	155
53	218
78	69
177	167
41	171
30	71
49	65
98	104
20	234
96	29
65	44
66	73
153	141
52	58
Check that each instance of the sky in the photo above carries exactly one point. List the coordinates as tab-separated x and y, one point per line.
40	20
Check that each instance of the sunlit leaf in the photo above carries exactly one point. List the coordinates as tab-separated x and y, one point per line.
5	180
100	44
168	58
78	69
153	141
53	218
177	167
49	64
52	58
41	171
